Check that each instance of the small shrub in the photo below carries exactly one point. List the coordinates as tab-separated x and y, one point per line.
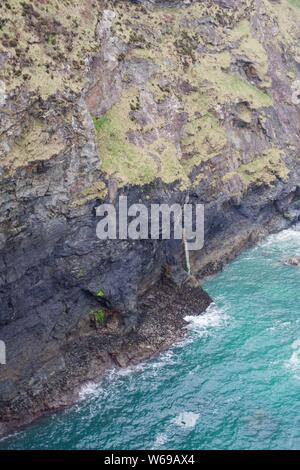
51	39
100	293
97	315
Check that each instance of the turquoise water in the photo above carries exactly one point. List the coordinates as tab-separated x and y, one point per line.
234	383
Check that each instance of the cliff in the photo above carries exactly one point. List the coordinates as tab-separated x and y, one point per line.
158	100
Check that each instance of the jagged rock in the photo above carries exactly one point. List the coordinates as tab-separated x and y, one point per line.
293	261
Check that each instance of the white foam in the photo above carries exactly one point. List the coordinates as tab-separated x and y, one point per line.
88	389
288	235
213	317
165	358
296	344
186	419
117	373
160	440
279	324
294	361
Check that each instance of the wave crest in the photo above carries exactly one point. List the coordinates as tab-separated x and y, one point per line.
213	317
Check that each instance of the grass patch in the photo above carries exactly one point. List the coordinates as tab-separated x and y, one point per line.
263	170
203	137
130	163
99	123
118	155
223	87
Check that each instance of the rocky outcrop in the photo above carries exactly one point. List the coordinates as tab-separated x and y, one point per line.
294	261
161	101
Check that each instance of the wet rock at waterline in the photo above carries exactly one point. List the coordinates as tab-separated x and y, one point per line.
293	261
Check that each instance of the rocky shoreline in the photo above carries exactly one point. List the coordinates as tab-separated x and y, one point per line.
93	349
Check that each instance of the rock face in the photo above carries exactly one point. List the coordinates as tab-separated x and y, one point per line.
294	261
163	101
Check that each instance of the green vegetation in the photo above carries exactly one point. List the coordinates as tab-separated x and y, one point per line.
51	39
203	137
99	123
128	162
295	3
100	293
168	121
81	272
262	170
59	34
96	190
118	155
35	144
249	46
223	87
98	315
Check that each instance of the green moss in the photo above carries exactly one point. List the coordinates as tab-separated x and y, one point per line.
241	29
81	272
56	43
51	39
98	315
263	170
250	47
286	14
222	87
203	137
99	123
170	164
118	155
128	162
238	88
245	115
100	293
295	3
35	144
